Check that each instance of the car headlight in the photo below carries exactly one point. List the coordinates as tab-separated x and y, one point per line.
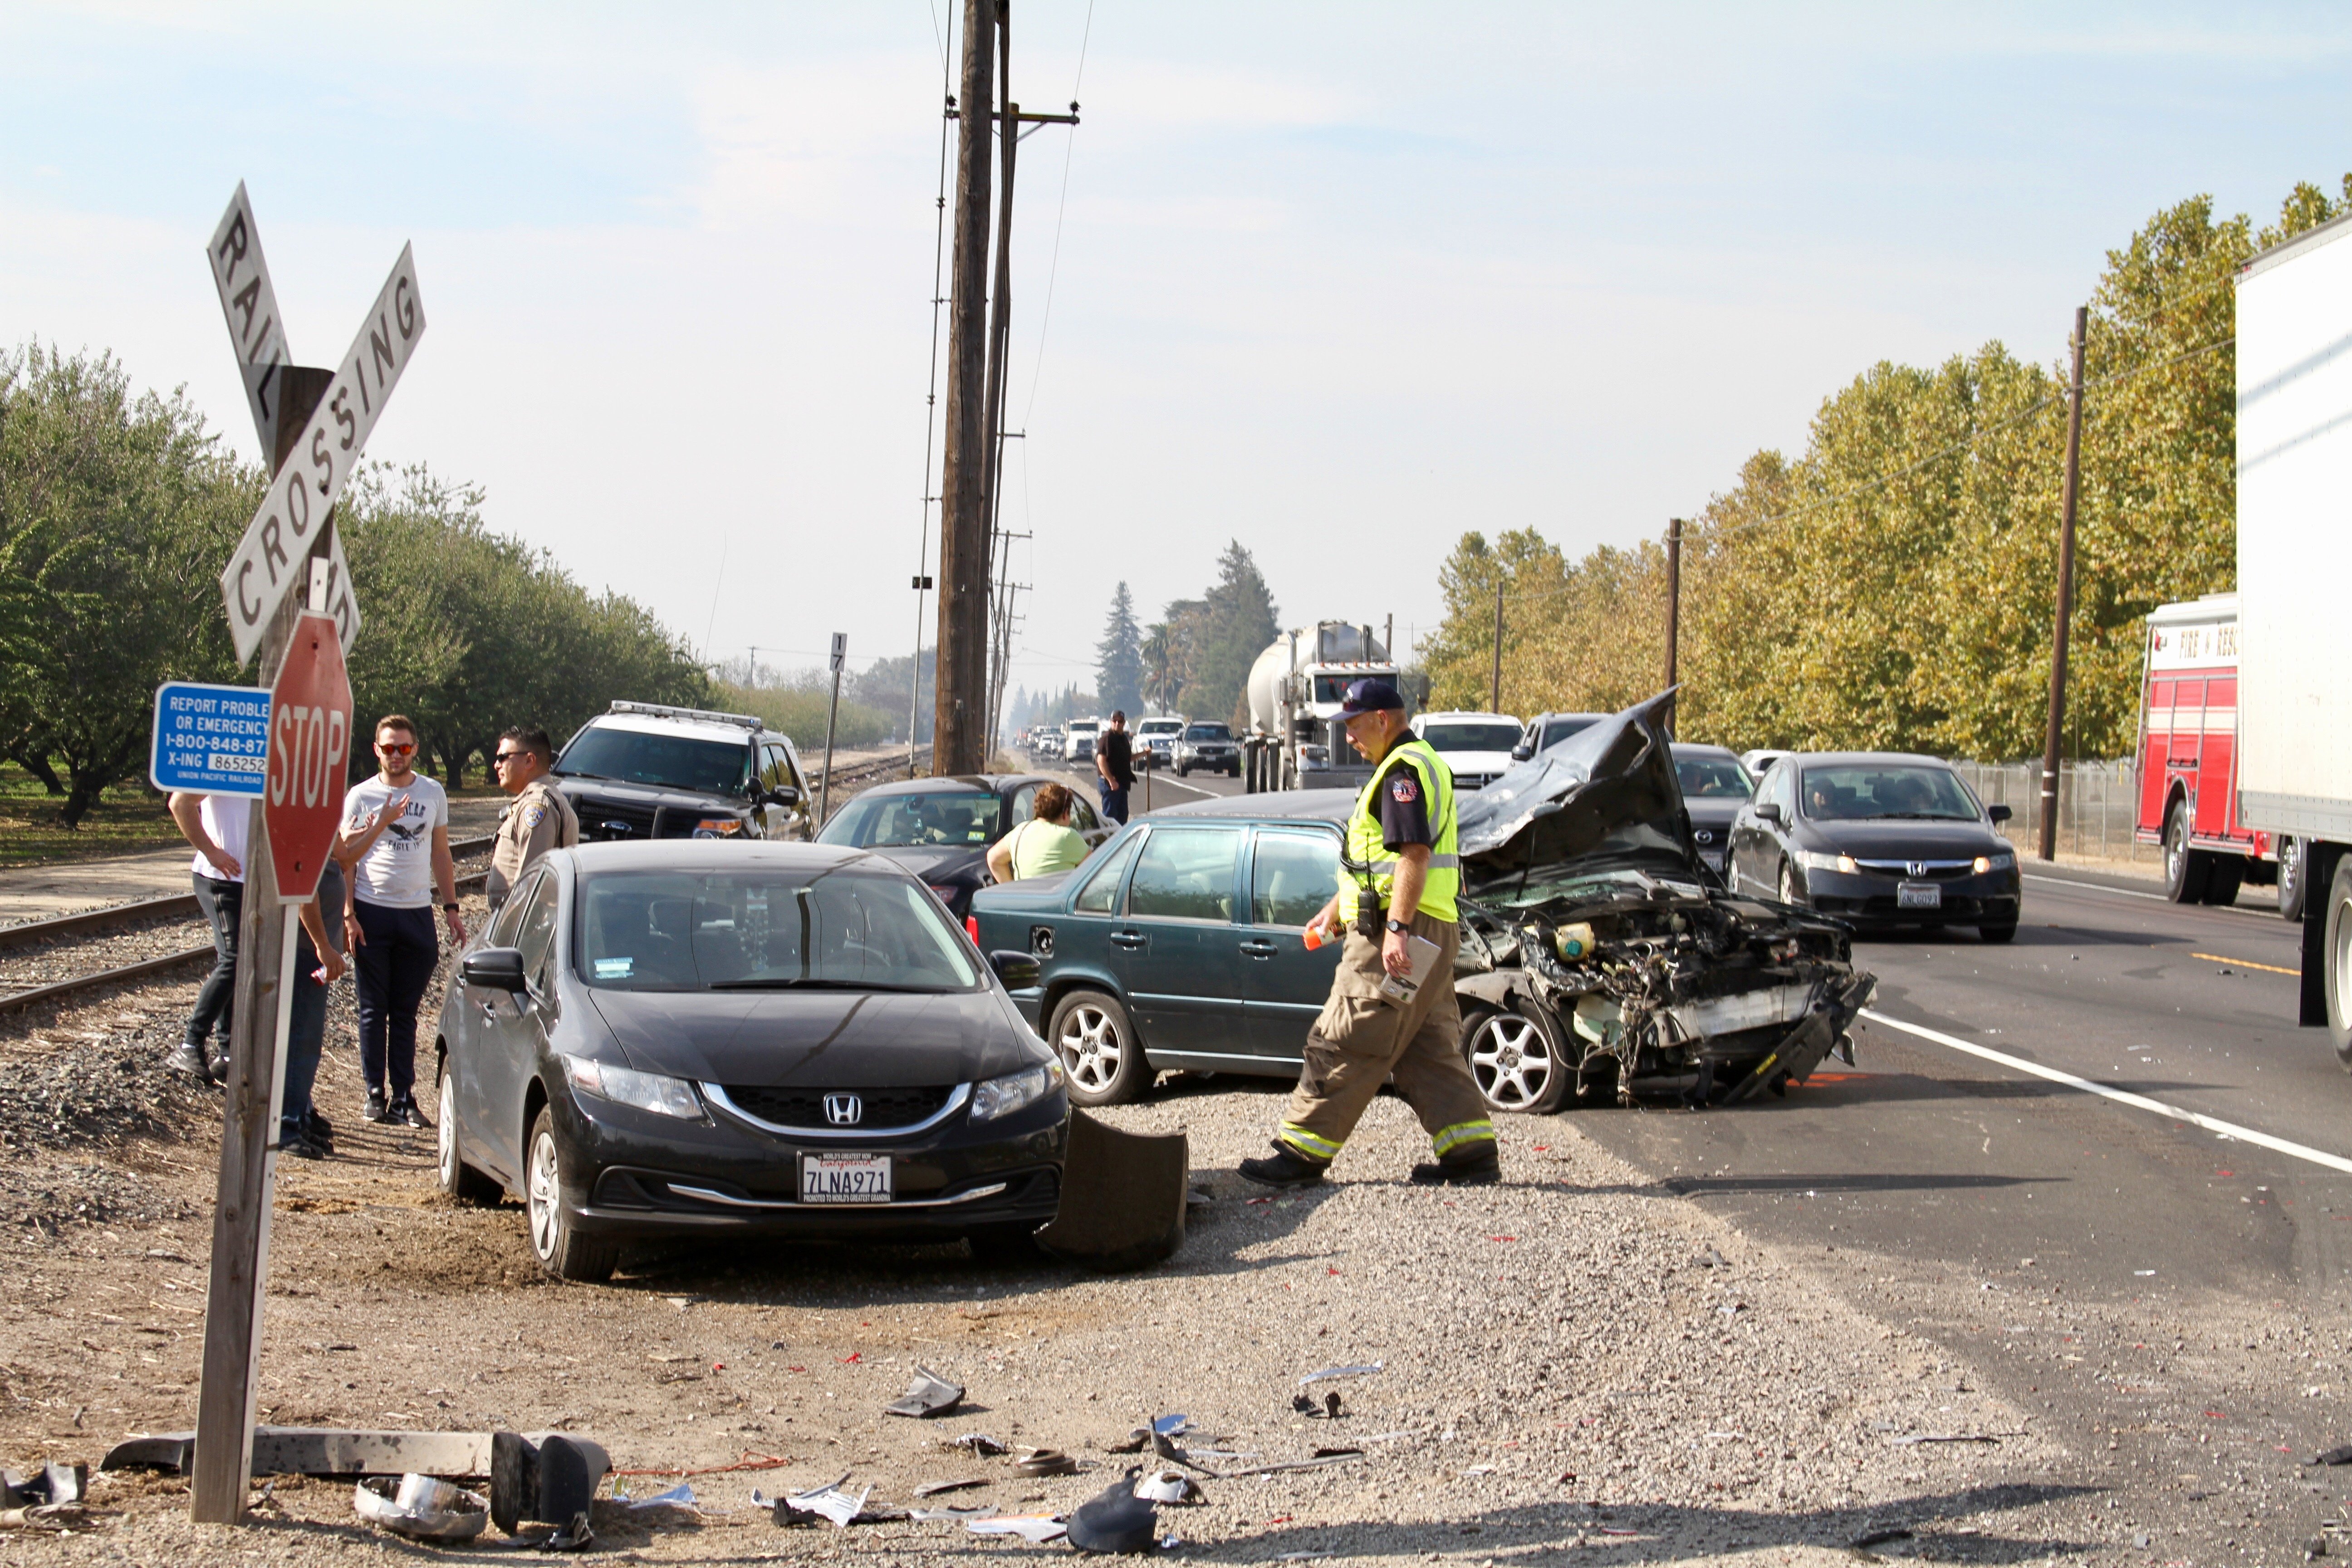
1814	860
996	1097
624	1086
2002	862
718	827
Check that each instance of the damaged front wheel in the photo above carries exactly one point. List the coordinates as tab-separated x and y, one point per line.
1519	1062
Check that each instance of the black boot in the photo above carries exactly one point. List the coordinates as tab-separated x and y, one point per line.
1287	1168
377	1110
188	1057
1475	1164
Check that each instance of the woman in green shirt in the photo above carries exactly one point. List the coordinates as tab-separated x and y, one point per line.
1042	845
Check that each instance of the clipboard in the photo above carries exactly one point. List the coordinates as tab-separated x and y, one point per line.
1421	954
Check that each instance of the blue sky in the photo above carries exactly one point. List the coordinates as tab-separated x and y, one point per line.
1339	281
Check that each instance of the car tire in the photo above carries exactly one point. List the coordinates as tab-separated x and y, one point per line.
2293	866
458	1180
1790	893
1183	770
2337	957
2224	874
2006	932
1101	1059
2186	870
1519	1061
560	1249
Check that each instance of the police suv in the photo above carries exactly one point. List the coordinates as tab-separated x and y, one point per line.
646	771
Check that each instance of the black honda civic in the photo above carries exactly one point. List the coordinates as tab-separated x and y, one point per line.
685	1039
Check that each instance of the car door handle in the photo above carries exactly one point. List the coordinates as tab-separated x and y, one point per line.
1258	947
1134	942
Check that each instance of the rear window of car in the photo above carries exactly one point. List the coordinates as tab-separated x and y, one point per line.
1886	791
1713	778
1471	735
664	762
766	927
962	817
1102	888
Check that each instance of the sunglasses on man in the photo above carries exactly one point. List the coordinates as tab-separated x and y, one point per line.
396	748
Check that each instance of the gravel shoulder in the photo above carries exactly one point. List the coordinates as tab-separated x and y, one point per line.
1574	1362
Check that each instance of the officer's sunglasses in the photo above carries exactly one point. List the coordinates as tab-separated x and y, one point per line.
510	756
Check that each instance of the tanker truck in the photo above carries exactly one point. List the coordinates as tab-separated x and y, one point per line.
1295	689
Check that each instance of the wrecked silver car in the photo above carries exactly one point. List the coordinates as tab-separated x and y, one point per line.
1602	958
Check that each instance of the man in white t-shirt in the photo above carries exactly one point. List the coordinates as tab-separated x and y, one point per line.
214	825
396	841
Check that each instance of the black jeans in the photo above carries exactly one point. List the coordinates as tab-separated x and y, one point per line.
392	969
224	905
306	1037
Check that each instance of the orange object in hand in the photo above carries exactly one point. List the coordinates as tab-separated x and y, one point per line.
1314	938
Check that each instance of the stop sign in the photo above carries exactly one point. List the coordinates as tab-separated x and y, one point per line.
309	744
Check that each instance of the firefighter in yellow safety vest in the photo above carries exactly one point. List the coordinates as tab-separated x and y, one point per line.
1390	1017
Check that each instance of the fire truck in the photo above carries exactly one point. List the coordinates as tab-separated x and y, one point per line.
2186	763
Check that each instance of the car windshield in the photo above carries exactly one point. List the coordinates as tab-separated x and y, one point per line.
1159	727
965	816
1209	733
1558	729
1713	778
1861	791
663	761
846	928
1471	734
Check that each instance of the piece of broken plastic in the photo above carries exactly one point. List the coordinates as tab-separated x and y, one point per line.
1035	1527
929	1395
679	1496
1045	1462
1171	1426
420	1508
52	1486
980	1443
2340	1456
574	1537
1171	1487
1329	1371
1134	1442
956	1515
933	1488
827	1502
1115	1519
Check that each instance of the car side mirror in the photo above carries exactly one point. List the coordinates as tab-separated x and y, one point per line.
1999	813
785	795
1768	812
1017	971
495	968
1523	751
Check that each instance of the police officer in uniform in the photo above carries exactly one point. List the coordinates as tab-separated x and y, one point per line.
1398	875
537	820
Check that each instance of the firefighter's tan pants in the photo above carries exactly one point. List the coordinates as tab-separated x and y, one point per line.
1364	1038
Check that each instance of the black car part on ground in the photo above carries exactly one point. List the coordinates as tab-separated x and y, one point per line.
1586	901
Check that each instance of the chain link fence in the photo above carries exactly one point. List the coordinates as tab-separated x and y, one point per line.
2096	806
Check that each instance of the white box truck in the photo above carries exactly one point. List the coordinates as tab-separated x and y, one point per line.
2294	587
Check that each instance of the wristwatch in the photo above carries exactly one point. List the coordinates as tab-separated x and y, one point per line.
451	908
1400	927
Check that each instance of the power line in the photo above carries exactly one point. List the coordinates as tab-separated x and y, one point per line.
1053	270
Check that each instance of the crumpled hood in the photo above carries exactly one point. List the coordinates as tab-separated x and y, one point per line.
818	1039
1605	798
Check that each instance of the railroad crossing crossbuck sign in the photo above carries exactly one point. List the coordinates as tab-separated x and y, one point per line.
309	750
269	559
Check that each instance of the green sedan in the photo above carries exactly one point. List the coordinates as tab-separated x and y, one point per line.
1179	944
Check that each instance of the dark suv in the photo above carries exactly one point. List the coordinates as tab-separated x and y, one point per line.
645	770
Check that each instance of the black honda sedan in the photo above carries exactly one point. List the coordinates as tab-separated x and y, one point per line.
941	828
688	1038
1877	838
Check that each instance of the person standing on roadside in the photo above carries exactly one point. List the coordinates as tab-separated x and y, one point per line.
1042	845
1114	762
214	825
302	1132
396	841
537	820
1400	872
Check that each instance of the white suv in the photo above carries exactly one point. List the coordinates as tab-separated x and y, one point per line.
1476	746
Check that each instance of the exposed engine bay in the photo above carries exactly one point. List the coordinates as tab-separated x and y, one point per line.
1600	955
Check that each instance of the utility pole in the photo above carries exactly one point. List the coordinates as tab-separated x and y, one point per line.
1674	612
832	712
1495	693
2050	744
962	668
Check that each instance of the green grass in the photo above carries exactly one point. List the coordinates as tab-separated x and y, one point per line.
126	819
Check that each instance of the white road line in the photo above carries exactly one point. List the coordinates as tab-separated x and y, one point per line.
2257	911
2122	1097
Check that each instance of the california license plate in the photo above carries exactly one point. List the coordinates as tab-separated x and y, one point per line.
1918	895
845	1178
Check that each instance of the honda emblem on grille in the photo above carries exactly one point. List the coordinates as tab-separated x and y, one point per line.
844	1109
1919	867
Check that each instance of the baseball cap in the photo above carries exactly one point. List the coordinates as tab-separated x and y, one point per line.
1371	697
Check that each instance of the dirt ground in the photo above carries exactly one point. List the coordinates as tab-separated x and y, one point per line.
1575	1361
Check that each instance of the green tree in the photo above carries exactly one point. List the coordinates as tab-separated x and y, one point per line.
1237	623
1118	656
116	512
